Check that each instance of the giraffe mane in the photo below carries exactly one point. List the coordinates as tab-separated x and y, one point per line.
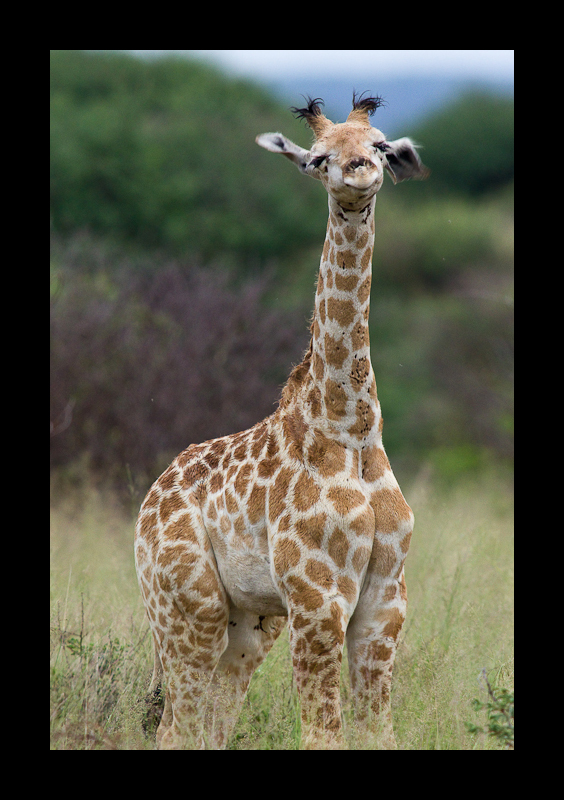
297	377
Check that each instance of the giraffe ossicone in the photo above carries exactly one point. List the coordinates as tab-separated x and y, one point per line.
298	519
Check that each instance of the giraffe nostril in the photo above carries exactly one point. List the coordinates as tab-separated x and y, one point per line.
354	163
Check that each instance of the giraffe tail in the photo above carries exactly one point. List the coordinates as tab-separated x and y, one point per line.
154	707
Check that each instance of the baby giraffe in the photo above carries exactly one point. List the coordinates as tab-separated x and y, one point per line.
300	518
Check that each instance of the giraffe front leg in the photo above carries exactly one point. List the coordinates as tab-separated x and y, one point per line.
372	639
316	643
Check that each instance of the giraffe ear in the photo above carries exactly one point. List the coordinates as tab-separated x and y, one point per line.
402	161
278	143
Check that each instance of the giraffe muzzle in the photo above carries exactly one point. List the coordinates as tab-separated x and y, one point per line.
361	173
355	163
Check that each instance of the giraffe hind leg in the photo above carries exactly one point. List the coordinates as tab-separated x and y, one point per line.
250	638
205	654
190	654
188	611
202	706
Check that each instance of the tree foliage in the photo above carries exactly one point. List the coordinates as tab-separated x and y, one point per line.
162	154
469	145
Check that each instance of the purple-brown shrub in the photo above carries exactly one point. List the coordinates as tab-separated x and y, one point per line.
142	367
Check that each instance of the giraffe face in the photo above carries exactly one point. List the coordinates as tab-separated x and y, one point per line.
348	159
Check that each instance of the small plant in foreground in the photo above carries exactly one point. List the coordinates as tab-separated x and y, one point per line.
500	709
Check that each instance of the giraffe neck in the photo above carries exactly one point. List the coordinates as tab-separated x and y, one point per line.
340	356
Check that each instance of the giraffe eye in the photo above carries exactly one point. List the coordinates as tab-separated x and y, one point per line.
317	162
382	146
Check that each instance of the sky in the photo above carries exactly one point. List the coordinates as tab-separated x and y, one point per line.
272	64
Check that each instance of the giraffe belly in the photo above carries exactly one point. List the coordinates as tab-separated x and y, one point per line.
248	582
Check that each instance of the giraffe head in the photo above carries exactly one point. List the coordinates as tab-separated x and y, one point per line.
348	158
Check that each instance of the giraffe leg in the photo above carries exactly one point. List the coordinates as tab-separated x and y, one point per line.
190	652
250	638
188	611
316	641
372	638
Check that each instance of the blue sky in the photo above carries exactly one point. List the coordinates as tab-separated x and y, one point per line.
269	64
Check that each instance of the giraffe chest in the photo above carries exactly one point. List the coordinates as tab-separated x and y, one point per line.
306	533
246	576
238	533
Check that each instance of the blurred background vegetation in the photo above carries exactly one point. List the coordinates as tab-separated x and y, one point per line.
183	264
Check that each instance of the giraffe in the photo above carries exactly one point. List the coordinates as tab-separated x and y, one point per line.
299	519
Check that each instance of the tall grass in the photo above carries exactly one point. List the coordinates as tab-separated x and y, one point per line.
100	643
460	621
459	575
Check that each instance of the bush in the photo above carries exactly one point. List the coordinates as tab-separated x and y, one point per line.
469	145
500	712
145	366
156	155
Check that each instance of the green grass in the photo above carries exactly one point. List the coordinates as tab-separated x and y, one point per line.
459	576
